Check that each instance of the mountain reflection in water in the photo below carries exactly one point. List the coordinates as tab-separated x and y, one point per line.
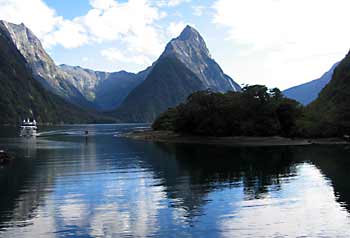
65	185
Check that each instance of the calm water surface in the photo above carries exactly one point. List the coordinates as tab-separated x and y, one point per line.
65	185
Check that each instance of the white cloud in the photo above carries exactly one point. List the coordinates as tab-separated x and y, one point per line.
50	28
113	54
119	20
133	24
175	28
103	4
198	10
116	55
170	3
69	34
173	3
34	13
294	40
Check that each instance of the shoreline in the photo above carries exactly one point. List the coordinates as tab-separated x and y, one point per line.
171	137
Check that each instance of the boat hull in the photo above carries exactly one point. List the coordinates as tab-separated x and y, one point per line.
28	132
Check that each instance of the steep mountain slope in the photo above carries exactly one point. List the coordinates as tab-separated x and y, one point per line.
330	112
308	92
83	87
190	48
184	67
22	96
105	91
168	84
41	64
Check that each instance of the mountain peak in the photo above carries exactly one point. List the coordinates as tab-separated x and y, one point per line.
13	26
189	33
187	44
20	34
184	67
5	22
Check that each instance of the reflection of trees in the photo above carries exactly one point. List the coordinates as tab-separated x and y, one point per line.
190	172
186	174
334	163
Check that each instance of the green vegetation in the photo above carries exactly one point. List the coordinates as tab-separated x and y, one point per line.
329	114
256	111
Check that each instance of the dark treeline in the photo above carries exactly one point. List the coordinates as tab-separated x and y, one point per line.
255	111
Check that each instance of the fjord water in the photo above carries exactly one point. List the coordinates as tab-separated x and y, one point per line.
63	184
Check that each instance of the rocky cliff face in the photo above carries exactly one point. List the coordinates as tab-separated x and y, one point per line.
308	92
85	80
41	64
83	87
184	67
105	90
22	96
190	48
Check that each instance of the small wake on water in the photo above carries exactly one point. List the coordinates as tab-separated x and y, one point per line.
61	132
79	131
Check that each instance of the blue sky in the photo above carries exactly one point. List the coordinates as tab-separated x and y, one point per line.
273	42
91	56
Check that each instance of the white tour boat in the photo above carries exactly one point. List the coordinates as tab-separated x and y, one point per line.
28	128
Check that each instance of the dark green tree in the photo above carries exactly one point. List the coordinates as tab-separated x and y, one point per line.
256	111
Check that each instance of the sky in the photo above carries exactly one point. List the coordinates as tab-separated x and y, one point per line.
278	43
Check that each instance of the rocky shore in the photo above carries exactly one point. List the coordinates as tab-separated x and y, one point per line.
171	137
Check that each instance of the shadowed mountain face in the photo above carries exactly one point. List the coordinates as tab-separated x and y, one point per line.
330	112
184	67
308	92
22	96
168	84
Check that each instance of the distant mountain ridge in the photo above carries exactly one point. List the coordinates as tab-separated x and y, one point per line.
308	92
184	67
104	90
